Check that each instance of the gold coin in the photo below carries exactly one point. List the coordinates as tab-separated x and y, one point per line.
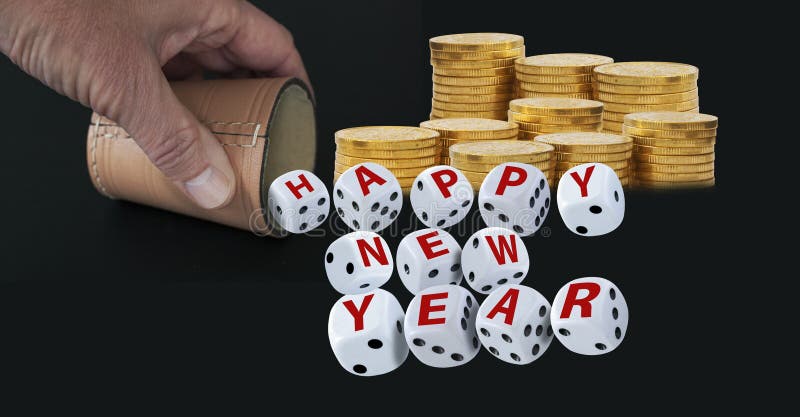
621	173
556	88
673	159
388	154
636	108
554	120
586	142
525	135
459	64
555	79
479	55
646	99
613	126
475	177
486	89
386	137
445	160
645	89
675	185
675	143
563	166
388	163
591	157
655	150
476	42
471	128
675	169
443	105
558	64
499	151
472	81
477	72
447	143
556	106
613	116
537	94
669	133
672	121
646	73
473	98
665	176
398	172
496	114
548	128
544	165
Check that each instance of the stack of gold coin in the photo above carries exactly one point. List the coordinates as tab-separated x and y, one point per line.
476	159
536	116
404	150
672	149
452	131
634	87
473	74
557	75
576	148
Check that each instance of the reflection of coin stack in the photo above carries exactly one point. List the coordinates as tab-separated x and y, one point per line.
476	159
672	149
557	75
452	131
404	150
573	149
536	116
633	87
473	74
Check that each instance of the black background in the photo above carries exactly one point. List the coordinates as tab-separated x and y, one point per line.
137	301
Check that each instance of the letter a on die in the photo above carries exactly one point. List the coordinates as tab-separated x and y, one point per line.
367	197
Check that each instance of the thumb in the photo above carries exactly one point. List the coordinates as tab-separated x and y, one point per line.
183	149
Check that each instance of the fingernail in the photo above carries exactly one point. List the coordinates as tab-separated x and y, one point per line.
210	189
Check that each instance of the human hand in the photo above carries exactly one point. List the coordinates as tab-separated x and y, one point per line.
115	56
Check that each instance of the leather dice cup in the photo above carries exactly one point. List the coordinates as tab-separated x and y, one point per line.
266	126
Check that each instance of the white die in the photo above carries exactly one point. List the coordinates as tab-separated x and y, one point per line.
440	326
299	201
590	316
441	196
590	199
428	257
492	257
358	262
515	196
366	333
514	324
367	197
